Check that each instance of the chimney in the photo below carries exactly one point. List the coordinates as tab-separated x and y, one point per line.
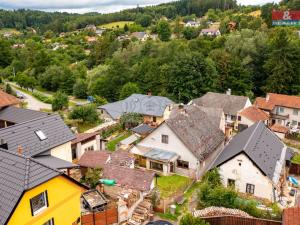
149	93
181	106
20	150
267	97
228	92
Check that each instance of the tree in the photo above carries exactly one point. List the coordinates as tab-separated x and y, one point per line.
129	89
92	177
60	101
25	81
130	120
188	219
190	33
100	100
80	89
164	30
144	20
8	89
86	113
5	53
177	26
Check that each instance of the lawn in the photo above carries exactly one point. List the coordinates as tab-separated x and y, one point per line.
119	24
170	185
111	145
9	30
296	159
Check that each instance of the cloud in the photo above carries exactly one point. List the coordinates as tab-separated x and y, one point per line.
81	6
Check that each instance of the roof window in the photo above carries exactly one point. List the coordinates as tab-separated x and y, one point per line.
41	135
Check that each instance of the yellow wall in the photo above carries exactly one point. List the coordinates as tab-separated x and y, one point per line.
64	204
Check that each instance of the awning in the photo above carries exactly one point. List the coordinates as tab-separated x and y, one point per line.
55	163
130	140
160	155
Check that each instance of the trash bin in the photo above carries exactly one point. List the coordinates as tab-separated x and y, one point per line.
172	209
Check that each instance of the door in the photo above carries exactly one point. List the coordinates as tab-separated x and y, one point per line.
172	167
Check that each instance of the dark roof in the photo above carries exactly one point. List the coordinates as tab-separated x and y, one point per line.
196	130
19	115
230	104
215	114
138	103
24	135
54	162
143	129
259	143
18	174
291	216
83	137
7	99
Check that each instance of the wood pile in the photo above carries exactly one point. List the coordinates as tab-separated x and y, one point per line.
141	213
220	211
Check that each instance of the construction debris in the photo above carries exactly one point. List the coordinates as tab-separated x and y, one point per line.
220	211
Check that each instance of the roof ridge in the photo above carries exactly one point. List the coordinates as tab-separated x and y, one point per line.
26	179
251	136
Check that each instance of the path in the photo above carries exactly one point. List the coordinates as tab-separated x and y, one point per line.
101	126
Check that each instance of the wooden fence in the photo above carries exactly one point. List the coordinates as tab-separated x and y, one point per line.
107	217
233	220
294	169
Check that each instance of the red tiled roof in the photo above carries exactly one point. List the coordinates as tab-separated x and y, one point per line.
254	114
279	128
273	100
7	99
291	216
82	137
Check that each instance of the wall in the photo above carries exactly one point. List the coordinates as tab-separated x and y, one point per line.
63	152
246	173
64	204
110	216
149	120
81	147
287	111
233	220
104	115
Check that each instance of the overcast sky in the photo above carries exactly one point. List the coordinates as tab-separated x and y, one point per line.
82	6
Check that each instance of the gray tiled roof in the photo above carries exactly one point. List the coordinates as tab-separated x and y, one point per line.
23	135
137	103
19	115
230	104
259	143
196	130
54	162
18	174
143	129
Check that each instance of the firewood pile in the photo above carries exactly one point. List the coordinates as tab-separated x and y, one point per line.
220	211
141	213
132	198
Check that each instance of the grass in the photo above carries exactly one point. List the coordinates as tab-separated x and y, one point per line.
9	30
119	24
83	126
111	145
170	185
296	159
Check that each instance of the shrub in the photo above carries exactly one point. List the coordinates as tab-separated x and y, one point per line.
86	113
188	219
60	101
42	98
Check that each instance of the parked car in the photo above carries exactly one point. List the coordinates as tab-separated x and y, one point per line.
292	192
20	95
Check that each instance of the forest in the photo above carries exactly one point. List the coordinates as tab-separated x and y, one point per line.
251	59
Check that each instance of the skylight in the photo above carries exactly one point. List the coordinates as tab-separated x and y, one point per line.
41	135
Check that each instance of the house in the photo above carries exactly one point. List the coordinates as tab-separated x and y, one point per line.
142	36
231	104
192	24
254	162
250	115
33	193
283	109
186	143
47	139
210	32
153	108
85	142
8	100
279	130
291	216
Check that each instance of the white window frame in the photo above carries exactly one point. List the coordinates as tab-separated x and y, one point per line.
41	135
165	139
38	211
295	112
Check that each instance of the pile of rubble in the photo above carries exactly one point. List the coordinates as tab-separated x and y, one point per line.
220	211
141	213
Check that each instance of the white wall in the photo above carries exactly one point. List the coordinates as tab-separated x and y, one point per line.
287	111
63	152
246	173
80	150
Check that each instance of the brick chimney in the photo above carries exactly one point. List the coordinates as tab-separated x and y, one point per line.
20	150
149	93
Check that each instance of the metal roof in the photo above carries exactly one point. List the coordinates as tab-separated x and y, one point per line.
131	139
160	155
138	103
19	115
24	135
260	144
54	162
18	174
143	129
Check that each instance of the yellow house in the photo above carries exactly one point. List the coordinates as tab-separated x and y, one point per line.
34	194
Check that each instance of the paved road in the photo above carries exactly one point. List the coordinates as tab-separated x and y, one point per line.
33	103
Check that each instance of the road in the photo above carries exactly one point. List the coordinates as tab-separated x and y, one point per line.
33	103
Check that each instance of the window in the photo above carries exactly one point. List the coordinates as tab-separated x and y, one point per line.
281	109
295	112
41	135
239	118
233	118
231	183
182	164
250	188
165	139
90	148
156	166
154	119
74	154
39	203
49	222
294	123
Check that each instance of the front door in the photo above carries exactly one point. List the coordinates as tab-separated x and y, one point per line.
172	167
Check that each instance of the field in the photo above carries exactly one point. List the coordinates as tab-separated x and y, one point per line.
8	30
119	24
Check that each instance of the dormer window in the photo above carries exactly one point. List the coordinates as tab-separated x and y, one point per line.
41	135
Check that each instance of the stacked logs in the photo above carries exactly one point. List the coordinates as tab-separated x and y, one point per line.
141	213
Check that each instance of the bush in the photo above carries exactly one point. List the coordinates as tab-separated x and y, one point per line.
106	133
129	89
80	89
188	219
92	177
130	120
86	113
42	98
60	101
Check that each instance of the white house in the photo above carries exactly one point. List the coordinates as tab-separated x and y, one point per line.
185	144
210	32
192	24
254	162
283	109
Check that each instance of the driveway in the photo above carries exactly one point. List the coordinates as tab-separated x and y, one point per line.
33	103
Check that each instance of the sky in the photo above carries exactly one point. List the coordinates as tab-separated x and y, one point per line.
83	6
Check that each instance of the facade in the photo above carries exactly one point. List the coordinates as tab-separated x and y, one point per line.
254	162
230	104
283	109
33	193
185	144
192	24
